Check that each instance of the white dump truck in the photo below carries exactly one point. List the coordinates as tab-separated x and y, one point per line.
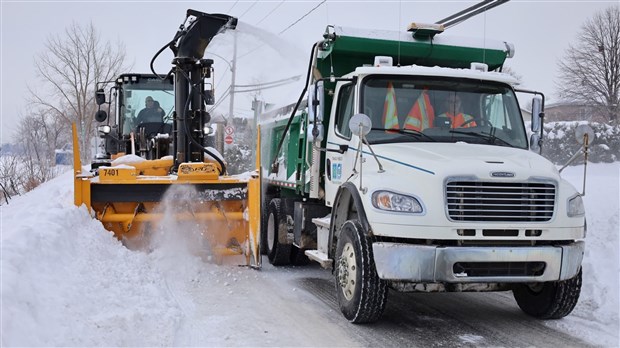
406	164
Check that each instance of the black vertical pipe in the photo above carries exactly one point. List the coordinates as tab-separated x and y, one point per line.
181	93
196	113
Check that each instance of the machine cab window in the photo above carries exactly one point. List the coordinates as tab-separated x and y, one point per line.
146	101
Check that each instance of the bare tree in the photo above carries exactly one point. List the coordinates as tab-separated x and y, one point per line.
10	178
70	66
40	134
590	70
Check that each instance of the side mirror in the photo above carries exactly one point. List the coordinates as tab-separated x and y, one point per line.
360	124
209	96
536	114
315	102
584	134
101	116
100	97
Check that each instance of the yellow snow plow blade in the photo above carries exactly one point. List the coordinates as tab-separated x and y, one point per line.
137	200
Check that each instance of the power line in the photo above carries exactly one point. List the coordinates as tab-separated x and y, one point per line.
249	8
293	78
233	6
287	28
221	99
270	12
304	16
250	51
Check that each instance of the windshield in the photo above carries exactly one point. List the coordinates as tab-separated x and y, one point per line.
428	109
148	100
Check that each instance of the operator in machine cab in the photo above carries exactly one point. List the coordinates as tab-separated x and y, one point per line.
453	112
152	113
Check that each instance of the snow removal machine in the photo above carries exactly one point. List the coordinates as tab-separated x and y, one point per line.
164	175
406	165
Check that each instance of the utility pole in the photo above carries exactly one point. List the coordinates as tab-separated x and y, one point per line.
258	107
233	69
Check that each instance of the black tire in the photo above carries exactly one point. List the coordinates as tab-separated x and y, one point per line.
264	248
550	300
361	295
278	251
298	257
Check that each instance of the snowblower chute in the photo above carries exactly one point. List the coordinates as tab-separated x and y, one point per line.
190	190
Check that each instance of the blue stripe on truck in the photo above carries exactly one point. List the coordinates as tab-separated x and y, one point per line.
392	160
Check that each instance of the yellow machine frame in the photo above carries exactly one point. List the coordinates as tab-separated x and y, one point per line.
127	199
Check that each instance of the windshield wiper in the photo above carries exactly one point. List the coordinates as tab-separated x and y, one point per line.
406	132
490	137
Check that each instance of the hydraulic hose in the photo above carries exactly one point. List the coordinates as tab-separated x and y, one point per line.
189	135
181	32
301	97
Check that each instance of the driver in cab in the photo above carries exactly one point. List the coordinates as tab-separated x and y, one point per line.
455	114
152	113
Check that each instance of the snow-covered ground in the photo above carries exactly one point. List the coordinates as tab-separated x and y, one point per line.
66	281
595	319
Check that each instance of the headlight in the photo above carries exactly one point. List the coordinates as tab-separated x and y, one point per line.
575	206
386	200
208	129
104	129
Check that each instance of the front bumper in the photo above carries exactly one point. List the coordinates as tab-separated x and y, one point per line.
428	263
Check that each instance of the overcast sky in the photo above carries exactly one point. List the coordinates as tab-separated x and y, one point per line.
540	30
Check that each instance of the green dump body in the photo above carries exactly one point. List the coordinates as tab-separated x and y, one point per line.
346	49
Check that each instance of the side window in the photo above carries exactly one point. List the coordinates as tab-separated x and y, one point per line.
496	111
344	110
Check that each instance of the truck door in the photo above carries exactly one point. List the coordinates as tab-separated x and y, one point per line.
338	166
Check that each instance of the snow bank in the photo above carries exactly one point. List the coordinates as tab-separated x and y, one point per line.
595	317
66	281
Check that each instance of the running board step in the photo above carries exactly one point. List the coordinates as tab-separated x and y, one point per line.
319	257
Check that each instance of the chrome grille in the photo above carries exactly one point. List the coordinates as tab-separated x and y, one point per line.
500	201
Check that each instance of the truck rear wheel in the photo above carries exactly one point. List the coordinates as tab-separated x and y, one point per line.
264	245
279	253
550	300
362	296
298	256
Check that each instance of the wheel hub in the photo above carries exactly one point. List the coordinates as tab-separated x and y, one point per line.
347	271
271	234
536	287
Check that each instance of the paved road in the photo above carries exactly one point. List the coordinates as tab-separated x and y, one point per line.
438	319
296	306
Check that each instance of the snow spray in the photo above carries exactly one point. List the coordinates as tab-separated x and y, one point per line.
178	243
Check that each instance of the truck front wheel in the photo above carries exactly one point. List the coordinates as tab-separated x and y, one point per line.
278	251
550	300
361	294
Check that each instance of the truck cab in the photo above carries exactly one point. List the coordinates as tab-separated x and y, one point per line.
416	105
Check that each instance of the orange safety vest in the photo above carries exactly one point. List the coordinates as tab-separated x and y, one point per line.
390	115
461	120
421	115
